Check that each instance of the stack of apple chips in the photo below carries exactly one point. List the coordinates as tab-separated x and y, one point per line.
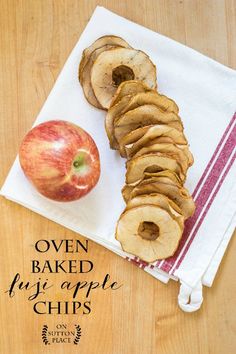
144	126
146	129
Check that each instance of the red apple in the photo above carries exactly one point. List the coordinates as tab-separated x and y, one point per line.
61	160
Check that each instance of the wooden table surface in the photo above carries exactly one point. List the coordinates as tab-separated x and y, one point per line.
142	317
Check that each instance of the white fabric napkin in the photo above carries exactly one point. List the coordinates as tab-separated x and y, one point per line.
205	92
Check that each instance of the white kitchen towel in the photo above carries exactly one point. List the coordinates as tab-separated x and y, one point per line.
205	92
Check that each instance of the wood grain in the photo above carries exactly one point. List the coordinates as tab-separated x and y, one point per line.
142	317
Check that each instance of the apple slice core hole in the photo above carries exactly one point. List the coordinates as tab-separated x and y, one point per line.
122	73
148	230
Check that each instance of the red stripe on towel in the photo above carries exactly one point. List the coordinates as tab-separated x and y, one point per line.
204	213
214	155
203	197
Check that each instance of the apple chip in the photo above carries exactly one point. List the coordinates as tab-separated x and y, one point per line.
112	113
187	152
129	146
130	87
179	195
144	115
170	150
165	140
100	42
172	177
132	137
86	73
165	176
160	200
126	191
117	65
149	232
154	98
150	163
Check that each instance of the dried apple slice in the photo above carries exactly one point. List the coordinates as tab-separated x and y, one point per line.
170	150
100	42
142	116
160	200
166	176
126	192
112	113
170	178
129	146
149	232
130	87
156	199
86	79
117	65
155	98
167	140
150	163
132	137
187	152
179	195
153	132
